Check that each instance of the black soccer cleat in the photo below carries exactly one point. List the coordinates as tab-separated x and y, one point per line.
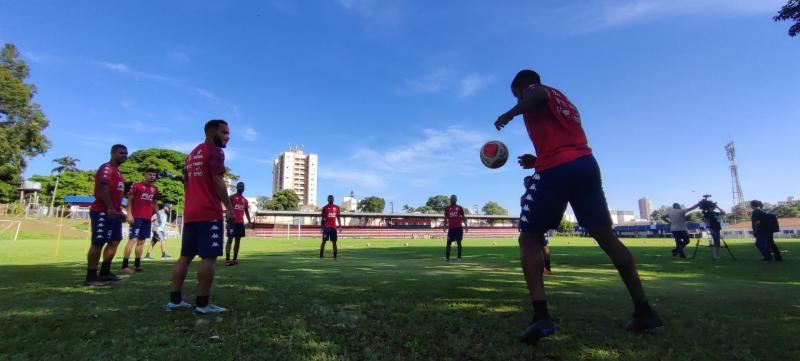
642	324
537	330
108	278
93	283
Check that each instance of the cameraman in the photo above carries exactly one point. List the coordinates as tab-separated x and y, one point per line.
676	217
712	220
764	226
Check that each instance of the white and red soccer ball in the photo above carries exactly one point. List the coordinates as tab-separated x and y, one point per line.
494	154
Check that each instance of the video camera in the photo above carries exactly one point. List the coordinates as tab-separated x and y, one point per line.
707	205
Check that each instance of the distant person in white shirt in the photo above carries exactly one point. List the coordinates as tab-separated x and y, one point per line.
676	217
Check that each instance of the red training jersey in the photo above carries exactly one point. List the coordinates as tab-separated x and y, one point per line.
329	214
109	175
454	215
142	198
555	130
202	202
239	203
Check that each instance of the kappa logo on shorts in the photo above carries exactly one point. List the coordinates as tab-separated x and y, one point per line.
532	187
101	219
523	219
526	208
99	236
529	198
214	235
215	244
536	176
214	228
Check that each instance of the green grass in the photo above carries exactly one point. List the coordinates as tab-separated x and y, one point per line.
392	302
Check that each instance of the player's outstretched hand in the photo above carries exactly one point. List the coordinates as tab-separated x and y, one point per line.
527	161
502	121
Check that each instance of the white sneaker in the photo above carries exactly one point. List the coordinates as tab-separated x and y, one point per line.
172	306
210	308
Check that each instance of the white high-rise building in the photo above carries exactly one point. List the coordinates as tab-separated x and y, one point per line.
296	171
645	209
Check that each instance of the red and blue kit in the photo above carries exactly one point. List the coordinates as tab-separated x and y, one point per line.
203	228
142	198
239	204
455	222
105	229
329	214
566	170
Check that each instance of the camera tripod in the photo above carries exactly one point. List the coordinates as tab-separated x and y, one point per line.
722	244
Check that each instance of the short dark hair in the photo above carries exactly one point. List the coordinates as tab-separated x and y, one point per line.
117	146
524	78
242	183
756	203
213	124
151	170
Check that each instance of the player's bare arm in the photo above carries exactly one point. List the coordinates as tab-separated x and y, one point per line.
529	100
222	193
105	197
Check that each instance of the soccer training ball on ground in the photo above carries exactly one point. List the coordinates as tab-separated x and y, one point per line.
494	154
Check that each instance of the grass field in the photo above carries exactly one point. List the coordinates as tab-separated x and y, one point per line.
389	301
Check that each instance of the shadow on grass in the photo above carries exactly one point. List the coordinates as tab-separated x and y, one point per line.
404	303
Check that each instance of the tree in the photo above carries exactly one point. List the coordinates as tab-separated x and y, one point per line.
285	200
65	164
21	122
786	211
408	209
372	204
438	203
791	12
494	209
565	226
71	183
261	202
658	214
694	217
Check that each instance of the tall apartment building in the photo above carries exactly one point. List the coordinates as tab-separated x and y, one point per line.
645	209
296	171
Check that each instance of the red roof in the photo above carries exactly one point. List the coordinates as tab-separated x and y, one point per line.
783	222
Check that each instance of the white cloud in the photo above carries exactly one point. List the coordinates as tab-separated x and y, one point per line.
178	57
444	80
249	134
205	93
360	178
472	83
608	13
126	70
36	58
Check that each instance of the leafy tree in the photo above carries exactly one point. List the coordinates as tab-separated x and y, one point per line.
565	226
21	122
695	217
657	214
372	204
494	209
72	183
285	200
261	202
408	209
787	211
427	210
65	164
791	12
438	203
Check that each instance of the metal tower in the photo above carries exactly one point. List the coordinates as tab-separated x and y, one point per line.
736	187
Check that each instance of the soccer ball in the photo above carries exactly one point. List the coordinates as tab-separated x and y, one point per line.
494	154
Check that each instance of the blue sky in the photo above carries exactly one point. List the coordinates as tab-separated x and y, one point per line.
396	97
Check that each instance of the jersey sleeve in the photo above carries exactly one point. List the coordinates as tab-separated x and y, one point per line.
103	175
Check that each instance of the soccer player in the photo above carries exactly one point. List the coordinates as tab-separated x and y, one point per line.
330	218
106	217
527	182
142	201
455	225
566	172
236	229
159	234
676	217
203	227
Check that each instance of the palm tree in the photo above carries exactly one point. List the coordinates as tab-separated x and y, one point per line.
65	164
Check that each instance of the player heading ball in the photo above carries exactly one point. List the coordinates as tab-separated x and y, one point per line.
566	172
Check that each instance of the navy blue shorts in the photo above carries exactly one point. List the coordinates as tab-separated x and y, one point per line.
577	183
204	239
330	234
105	230
236	230
140	229
455	234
